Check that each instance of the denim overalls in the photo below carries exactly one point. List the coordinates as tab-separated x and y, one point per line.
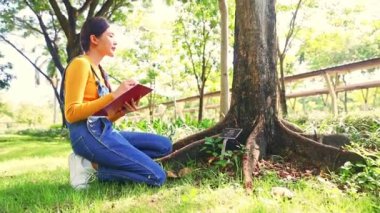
120	155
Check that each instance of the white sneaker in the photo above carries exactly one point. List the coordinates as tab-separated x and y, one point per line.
81	171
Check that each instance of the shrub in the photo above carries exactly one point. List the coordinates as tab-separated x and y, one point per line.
361	129
175	129
361	177
55	131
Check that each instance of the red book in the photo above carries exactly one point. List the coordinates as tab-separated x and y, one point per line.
135	93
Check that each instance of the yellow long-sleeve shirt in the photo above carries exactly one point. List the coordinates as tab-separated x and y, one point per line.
81	95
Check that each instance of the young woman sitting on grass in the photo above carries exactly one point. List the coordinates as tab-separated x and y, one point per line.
99	149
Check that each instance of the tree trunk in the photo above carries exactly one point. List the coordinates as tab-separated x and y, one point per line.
73	47
284	108
201	100
224	89
254	79
253	102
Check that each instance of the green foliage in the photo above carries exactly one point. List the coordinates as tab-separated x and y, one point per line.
55	132
362	177
361	129
5	109
196	31
364	132
227	161
337	41
5	76
30	115
174	129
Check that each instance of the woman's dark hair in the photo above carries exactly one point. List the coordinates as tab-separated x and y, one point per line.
93	26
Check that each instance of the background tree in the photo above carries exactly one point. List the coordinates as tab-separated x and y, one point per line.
337	41
5	77
196	31
224	86
30	115
57	22
253	104
281	54
145	58
5	109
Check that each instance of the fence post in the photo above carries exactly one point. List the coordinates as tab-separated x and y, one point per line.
334	103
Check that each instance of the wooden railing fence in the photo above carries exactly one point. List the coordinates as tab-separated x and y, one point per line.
184	105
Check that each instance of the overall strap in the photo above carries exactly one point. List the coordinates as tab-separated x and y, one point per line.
93	71
104	76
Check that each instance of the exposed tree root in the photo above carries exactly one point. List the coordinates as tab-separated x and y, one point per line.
291	126
319	154
289	139
253	152
191	151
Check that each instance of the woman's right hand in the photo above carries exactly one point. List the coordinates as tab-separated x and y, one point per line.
124	86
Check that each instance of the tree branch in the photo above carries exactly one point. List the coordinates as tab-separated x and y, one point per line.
34	65
61	18
56	32
291	27
72	14
48	41
106	6
84	6
24	24
92	8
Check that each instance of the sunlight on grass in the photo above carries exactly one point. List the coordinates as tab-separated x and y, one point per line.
184	198
14	147
49	191
34	178
20	166
232	198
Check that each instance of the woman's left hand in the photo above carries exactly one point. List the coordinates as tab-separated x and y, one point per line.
131	107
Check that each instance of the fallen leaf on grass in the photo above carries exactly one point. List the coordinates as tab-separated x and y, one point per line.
171	174
185	171
211	159
282	192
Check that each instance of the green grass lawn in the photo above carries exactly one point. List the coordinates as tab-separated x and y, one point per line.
34	178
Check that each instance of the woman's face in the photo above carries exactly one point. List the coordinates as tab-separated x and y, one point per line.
106	44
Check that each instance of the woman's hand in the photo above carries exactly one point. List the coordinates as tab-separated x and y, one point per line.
131	107
124	86
128	107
